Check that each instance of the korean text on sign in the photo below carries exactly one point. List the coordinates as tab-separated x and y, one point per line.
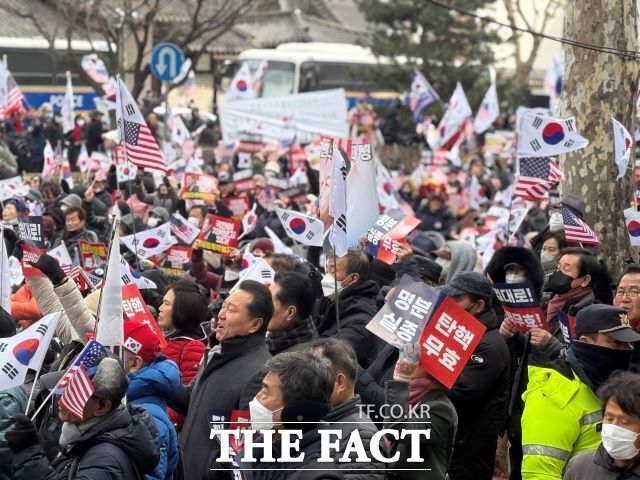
520	305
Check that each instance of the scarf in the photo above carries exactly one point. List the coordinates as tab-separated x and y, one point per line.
300	332
559	299
418	389
71	432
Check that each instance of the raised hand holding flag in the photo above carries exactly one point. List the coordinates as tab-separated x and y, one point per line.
623	143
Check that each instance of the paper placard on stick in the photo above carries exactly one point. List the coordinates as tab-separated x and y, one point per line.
521	305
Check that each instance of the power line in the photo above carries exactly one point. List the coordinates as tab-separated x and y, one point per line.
624	53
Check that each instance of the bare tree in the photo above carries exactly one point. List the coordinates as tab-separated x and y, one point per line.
543	13
600	85
191	24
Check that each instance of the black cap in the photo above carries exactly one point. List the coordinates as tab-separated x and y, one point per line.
428	269
611	321
473	283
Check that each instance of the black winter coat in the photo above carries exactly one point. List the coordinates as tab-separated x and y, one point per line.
357	306
227	380
370	382
347	417
107	451
481	395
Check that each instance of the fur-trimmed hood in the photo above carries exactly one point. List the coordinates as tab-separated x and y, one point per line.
523	257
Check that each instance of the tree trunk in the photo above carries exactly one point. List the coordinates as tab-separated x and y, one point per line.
598	86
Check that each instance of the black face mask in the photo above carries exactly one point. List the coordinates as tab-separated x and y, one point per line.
598	362
559	283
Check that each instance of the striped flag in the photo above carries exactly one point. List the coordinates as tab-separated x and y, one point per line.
537	175
140	146
421	96
576	230
75	386
95	68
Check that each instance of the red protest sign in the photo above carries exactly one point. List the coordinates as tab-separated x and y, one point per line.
31	254
219	234
239	420
93	255
392	240
238	205
521	305
448	341
199	186
136	309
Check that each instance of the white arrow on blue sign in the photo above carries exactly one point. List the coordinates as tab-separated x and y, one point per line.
166	60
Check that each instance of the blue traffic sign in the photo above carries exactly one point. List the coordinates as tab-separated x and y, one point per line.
166	61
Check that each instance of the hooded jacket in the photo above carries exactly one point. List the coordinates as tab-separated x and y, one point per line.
107	451
463	259
524	257
148	388
480	395
356	306
347	417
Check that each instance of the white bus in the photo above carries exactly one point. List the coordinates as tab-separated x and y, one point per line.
306	67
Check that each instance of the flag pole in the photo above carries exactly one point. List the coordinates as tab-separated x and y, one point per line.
335	286
116	225
126	156
33	387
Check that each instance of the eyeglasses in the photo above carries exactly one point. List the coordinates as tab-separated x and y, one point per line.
632	294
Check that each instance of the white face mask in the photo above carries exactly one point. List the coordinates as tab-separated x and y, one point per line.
261	416
619	442
515	278
153	222
329	285
548	259
193	221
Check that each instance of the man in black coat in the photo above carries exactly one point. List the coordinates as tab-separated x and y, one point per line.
356	304
93	132
111	441
228	377
480	393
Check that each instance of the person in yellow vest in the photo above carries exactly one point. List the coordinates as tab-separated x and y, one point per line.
562	413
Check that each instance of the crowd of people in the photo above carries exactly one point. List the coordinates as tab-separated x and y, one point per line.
297	353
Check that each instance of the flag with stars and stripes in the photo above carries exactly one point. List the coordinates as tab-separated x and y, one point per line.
95	68
76	386
140	146
537	175
576	230
11	97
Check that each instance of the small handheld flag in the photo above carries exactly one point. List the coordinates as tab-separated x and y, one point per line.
623	143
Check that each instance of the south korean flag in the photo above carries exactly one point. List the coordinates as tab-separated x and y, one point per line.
542	136
301	228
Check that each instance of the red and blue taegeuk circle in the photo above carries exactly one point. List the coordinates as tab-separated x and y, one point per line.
634	228
25	350
553	133
298	225
241	85
151	242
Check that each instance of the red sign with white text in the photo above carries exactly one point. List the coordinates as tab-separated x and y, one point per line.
135	308
448	340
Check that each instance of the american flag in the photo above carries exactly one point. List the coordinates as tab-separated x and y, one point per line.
15	98
536	177
575	230
75	385
95	68
141	148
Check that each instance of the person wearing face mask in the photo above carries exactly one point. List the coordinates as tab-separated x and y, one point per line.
571	284
111	440
157	216
552	244
152	378
618	456
75	137
296	388
480	394
356	297
562	413
228	376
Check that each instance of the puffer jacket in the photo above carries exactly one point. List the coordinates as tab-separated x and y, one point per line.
347	417
186	350
121	444
148	388
76	319
12	402
24	306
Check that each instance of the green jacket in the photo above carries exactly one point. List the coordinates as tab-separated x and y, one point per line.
559	421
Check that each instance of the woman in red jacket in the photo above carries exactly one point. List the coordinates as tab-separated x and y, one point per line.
183	309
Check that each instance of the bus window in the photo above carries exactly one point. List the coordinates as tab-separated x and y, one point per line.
278	79
350	76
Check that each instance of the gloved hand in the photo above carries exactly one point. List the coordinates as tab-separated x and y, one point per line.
17	249
407	362
22	435
51	268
